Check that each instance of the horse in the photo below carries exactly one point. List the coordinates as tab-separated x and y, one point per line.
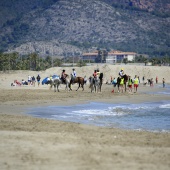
125	81
79	80
96	83
57	81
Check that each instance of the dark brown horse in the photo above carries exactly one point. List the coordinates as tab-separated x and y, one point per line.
79	80
125	81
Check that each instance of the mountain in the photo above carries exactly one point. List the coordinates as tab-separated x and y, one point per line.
64	27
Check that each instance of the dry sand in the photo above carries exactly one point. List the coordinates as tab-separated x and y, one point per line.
33	143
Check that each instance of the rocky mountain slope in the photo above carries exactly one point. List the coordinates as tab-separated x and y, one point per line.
64	27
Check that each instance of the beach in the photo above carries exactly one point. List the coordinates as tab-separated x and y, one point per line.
27	142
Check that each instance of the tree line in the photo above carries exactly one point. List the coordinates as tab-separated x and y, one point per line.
15	61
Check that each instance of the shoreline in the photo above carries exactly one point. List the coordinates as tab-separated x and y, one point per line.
35	143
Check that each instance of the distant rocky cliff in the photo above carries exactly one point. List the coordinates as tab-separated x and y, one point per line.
64	27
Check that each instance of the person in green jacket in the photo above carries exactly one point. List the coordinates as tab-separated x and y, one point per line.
136	83
121	84
130	82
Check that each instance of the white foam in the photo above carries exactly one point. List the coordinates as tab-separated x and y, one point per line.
92	112
167	106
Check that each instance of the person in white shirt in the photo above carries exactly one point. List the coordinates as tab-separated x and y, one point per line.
73	74
29	80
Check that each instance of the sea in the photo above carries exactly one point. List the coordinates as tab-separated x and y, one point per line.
150	116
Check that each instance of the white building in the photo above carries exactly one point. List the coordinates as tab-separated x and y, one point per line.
118	56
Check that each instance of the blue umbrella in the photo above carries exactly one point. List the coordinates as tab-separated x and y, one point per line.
45	81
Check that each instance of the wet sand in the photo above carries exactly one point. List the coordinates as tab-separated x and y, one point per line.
33	143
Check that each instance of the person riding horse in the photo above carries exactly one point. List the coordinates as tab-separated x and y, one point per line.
63	76
98	72
73	75
121	73
95	74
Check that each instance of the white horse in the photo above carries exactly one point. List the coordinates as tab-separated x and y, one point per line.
57	81
94	84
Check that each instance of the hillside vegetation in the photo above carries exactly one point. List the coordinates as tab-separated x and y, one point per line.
62	27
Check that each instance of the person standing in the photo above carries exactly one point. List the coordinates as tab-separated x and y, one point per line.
33	81
121	84
163	82
143	79
156	79
29	80
136	82
130	83
38	79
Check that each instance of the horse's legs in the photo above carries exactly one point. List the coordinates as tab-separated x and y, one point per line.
57	87
54	87
69	85
91	87
78	87
82	85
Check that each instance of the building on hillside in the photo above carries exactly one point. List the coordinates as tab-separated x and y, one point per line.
111	57
118	56
90	57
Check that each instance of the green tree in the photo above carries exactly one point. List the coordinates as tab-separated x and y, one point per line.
125	60
33	61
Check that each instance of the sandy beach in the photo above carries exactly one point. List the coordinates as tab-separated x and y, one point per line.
33	143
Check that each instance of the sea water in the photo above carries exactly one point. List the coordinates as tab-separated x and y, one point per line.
161	90
152	116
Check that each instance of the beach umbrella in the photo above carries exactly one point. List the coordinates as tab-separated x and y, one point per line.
45	80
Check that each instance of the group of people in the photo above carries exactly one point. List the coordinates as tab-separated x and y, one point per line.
135	81
64	75
74	75
122	80
31	81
